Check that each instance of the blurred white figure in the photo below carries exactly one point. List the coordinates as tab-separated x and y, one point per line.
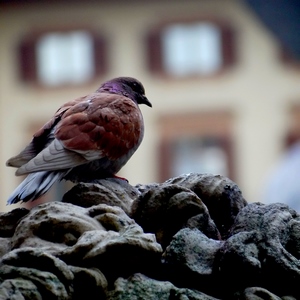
284	183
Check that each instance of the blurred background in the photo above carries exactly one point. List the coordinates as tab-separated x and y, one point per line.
223	77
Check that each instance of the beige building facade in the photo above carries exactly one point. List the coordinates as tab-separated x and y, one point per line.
232	115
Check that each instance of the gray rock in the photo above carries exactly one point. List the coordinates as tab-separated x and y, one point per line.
47	284
262	245
35	258
143	188
88	284
191	260
5	246
256	293
19	289
50	276
101	236
95	247
168	208
68	245
112	191
221	195
116	253
8	224
53	226
9	221
140	287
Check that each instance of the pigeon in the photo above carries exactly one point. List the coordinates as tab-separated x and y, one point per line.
87	139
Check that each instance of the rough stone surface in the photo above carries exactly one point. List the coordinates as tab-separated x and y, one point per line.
114	192
8	223
264	245
221	195
89	283
19	288
257	293
172	207
141	287
191	237
190	260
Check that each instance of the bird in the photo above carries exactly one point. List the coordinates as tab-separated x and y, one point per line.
87	139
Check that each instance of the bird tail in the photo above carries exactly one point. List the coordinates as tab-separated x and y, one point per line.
34	185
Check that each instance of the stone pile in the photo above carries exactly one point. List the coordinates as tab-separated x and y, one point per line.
191	237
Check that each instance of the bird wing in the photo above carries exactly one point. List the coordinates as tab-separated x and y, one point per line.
53	157
101	125
41	139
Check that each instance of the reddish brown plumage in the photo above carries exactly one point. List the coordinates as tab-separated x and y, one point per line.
87	138
108	123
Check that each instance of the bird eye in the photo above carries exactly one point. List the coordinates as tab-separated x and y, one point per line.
135	87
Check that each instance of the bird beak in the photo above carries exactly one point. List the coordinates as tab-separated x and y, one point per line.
145	101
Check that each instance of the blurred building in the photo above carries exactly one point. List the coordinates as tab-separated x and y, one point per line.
283	182
225	93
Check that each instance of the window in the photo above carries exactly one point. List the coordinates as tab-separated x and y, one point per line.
200	154
65	58
199	142
184	49
59	58
191	49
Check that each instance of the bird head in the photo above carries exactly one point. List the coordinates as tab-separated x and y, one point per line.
126	86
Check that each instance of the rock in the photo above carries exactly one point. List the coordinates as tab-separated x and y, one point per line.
240	265
191	260
88	284
109	240
112	191
116	253
53	226
31	266
47	284
256	293
91	236
168	208
8	224
141	287
9	221
262	245
5	246
221	195
19	289
101	237
143	188
35	258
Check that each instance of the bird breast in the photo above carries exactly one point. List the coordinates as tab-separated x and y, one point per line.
111	128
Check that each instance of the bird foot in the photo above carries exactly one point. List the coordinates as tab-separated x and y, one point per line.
122	178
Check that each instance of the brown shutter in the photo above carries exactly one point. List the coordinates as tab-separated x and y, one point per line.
293	132
228	45
27	58
154	51
165	160
100	55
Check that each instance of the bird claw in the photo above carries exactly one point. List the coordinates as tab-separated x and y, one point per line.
122	178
